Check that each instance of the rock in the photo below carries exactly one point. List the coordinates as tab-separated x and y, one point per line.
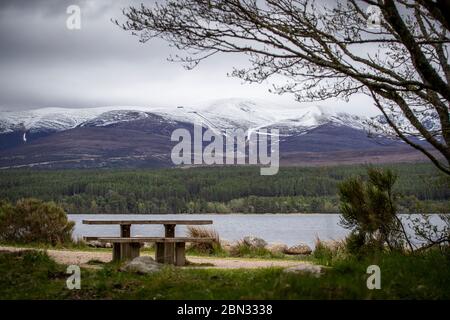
332	245
99	244
301	248
228	246
95	244
254	242
277	247
142	265
305	268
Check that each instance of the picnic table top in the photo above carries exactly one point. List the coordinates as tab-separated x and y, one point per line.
128	222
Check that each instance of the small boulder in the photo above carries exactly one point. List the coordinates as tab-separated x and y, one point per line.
142	265
229	247
95	244
332	245
306	268
254	242
301	248
277	247
226	245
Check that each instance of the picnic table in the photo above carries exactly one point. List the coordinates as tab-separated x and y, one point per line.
169	249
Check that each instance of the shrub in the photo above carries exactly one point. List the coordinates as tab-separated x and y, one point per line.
34	221
322	253
242	249
369	210
201	232
327	251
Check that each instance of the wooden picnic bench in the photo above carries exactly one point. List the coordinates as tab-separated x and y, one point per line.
169	249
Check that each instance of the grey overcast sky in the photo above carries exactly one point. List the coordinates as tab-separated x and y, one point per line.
44	64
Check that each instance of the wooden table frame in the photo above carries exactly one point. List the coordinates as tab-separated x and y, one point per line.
169	249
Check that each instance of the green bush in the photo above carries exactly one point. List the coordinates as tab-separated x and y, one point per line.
244	250
327	252
323	254
369	210
34	221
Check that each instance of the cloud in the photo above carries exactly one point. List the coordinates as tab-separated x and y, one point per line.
43	64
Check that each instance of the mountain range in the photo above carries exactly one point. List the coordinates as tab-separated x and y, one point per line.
140	136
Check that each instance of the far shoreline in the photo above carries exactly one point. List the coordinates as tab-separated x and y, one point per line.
240	213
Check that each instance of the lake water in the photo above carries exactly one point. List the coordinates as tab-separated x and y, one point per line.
286	228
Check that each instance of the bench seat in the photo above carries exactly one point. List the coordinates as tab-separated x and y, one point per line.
148	239
168	250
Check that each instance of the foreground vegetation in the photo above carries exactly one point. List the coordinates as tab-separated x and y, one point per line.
33	275
34	221
216	190
369	208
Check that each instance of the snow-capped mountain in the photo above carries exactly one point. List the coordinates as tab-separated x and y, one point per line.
219	115
140	136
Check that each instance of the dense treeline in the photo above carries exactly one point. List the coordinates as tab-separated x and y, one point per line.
223	190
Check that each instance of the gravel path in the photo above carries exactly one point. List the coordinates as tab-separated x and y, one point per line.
81	258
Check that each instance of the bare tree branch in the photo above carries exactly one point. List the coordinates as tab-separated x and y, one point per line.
325	50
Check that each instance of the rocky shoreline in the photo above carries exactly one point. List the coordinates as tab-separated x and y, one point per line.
251	242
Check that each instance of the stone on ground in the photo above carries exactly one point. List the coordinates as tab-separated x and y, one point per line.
255	242
301	248
99	244
228	246
331	244
142	265
309	269
277	247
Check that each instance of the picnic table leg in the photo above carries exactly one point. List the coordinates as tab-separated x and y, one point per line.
169	230
116	252
127	251
125	230
159	254
180	254
169	252
169	247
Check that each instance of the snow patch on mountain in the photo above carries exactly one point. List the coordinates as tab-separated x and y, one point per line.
115	116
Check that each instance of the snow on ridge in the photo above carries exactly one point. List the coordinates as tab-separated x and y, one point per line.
219	115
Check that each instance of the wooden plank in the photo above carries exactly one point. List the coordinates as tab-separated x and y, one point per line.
180	253
173	222
153	239
91	238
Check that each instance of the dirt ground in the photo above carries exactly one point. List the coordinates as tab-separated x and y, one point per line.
81	258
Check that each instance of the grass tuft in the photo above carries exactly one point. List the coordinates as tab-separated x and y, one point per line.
204	247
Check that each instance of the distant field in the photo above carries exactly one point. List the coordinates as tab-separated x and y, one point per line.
420	188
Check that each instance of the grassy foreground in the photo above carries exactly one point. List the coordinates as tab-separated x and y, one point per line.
33	275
